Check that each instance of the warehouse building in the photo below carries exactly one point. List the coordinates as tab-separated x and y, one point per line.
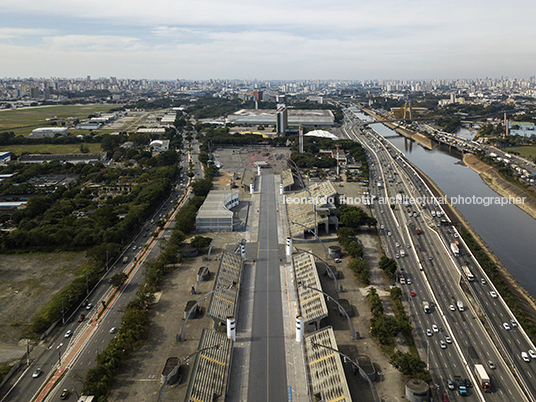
215	214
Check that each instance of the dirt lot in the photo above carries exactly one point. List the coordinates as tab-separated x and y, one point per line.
27	283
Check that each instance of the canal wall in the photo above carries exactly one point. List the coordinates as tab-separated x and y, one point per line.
420	138
527	302
499	185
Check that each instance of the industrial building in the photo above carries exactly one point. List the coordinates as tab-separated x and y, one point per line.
215	214
295	117
48	132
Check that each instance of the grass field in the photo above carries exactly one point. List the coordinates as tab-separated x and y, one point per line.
23	121
94	148
529	151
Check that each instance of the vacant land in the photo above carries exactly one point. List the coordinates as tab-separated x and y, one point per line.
526	152
60	149
23	121
27	283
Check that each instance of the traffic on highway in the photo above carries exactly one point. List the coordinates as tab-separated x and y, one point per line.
460	321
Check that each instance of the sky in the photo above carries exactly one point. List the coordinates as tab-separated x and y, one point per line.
268	40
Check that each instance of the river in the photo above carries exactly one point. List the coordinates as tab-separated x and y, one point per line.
506	229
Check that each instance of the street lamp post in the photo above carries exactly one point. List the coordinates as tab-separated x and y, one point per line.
313	232
354	336
293	165
223	230
361	371
200	275
326	264
181	336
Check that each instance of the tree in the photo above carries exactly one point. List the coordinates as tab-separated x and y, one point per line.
200	242
387	265
118	279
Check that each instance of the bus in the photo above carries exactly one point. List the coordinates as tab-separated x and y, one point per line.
468	274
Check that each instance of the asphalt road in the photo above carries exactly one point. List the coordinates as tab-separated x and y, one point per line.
267	373
439	282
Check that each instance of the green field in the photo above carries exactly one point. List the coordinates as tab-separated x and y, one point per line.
528	151
94	148
23	121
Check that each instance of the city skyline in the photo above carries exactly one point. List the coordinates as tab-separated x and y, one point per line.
277	40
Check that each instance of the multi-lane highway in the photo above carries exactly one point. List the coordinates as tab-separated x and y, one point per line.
434	275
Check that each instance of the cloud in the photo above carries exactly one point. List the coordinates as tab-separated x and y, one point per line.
93	43
11	33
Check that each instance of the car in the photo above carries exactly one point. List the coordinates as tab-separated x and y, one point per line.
450	384
493	294
81	318
468	383
452	307
37	373
491	365
483	280
442	344
435	328
398	244
64	394
68	333
408	281
412	293
456	234
134	247
337	260
506	326
408	245
112	330
445	397
447	338
389	233
89	306
382	227
397	255
381	211
525	356
429	333
430	257
514	324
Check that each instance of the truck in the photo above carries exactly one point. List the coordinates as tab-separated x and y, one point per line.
462	389
426	307
459	303
483	377
455	250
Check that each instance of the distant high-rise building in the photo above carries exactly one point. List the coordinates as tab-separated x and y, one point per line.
282	119
257	95
34	92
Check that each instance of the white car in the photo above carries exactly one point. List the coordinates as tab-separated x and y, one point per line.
398	244
428	332
514	324
389	233
68	333
452	308
456	234
506	326
397	256
435	328
112	330
532	354
493	294
483	280
447	338
442	344
525	356
382	227
408	281
89	306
